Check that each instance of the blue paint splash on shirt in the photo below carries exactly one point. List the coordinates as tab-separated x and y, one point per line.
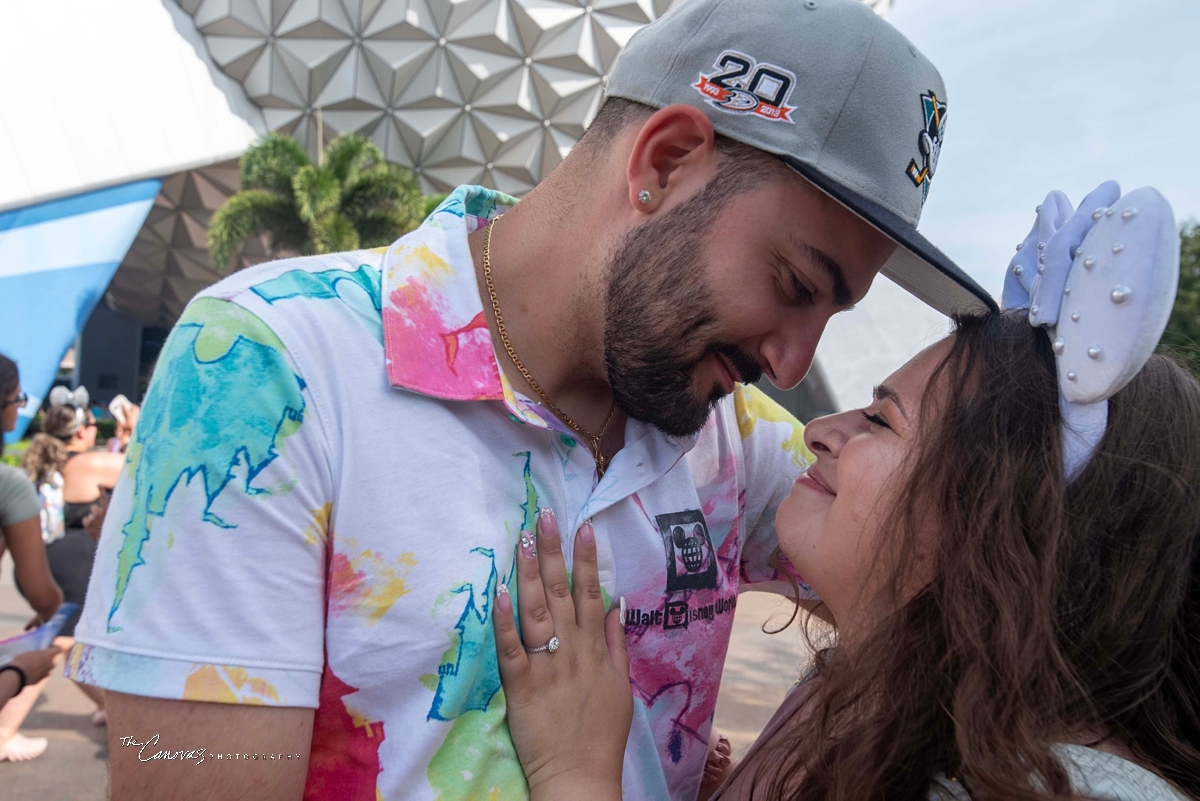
327	285
223	395
471	677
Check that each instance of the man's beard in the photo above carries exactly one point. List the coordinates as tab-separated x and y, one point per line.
661	323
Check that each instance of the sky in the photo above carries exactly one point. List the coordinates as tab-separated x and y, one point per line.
1054	94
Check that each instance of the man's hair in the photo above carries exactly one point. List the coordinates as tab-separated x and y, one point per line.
740	166
1057	610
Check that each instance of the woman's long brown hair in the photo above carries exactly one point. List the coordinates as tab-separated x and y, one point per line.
1057	614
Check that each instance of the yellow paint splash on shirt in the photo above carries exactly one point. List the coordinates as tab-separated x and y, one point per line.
228	684
429	264
367	584
74	659
753	405
318	529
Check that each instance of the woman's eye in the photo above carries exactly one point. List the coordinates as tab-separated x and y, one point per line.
875	419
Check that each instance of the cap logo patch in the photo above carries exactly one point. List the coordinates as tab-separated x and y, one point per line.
929	141
741	85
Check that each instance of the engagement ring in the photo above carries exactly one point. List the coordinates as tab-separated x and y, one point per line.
551	646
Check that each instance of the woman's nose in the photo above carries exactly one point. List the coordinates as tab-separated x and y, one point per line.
826	435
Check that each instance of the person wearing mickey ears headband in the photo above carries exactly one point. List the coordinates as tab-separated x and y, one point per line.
1008	541
73	479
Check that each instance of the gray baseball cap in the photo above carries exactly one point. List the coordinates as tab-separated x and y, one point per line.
832	89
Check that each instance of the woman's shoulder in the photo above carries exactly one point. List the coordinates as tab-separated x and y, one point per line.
1103	776
1095	775
11	477
90	461
18	497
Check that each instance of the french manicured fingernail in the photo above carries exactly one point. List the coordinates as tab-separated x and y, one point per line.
528	545
622	609
547	526
545	512
587	534
503	600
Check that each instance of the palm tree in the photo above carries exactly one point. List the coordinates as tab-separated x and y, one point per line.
352	198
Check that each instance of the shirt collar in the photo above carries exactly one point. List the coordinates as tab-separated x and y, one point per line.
435	335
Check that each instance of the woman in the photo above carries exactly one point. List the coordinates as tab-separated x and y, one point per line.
64	456
20	522
1016	602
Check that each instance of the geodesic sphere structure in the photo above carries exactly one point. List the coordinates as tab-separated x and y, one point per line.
462	91
493	92
168	262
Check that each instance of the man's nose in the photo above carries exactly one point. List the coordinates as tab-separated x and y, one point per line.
790	353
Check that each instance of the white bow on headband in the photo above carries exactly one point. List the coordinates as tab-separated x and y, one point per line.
61	396
1101	280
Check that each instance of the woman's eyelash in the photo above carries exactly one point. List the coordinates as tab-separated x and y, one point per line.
875	419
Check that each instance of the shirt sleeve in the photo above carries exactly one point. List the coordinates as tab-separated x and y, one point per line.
208	583
774	455
18	498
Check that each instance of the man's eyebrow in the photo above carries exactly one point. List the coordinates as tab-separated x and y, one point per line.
884	392
841	289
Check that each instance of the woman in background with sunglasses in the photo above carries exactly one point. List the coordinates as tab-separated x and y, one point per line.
20	522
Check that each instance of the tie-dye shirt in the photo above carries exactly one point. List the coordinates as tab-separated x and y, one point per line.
329	479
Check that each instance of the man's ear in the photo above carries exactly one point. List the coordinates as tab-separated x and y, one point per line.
673	155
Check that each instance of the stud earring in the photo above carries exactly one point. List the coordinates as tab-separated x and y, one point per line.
644	196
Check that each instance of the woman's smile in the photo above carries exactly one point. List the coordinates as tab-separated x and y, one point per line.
814	482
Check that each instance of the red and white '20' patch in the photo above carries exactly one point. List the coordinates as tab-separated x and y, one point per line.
741	85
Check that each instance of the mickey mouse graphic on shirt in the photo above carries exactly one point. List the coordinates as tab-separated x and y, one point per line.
691	561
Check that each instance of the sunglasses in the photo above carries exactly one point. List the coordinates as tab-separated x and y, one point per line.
18	401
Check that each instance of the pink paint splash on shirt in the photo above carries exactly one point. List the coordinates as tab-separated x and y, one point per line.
343	764
429	356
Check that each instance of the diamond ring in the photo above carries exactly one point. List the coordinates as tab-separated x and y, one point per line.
551	646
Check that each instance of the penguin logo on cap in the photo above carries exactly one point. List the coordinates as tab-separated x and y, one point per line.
929	141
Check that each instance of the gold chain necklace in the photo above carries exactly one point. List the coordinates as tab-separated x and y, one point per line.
601	462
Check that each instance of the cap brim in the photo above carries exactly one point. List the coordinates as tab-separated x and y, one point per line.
917	266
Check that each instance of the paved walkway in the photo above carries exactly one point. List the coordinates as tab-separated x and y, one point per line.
759	668
758	672
75	766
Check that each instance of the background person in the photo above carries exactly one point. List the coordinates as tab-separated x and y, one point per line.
1015	618
31	667
20	522
65	453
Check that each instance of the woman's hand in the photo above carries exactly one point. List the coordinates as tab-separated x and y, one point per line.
569	710
36	664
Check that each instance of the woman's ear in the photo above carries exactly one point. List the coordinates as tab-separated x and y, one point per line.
673	155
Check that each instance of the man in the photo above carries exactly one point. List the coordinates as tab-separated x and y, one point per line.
340	455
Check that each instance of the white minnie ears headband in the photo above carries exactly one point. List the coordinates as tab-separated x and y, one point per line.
1101	280
79	399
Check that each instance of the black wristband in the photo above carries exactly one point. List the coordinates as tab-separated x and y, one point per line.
20	674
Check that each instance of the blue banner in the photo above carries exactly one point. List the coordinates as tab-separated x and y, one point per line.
56	260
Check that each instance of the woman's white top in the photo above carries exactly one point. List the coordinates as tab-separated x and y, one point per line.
1094	775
